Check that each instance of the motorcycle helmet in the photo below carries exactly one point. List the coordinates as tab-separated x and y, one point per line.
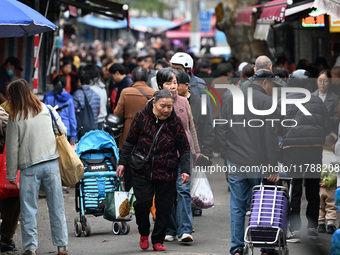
302	79
182	58
114	125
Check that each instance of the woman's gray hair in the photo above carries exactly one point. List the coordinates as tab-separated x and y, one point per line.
162	94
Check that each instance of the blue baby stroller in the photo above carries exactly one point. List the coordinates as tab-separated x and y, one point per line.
99	154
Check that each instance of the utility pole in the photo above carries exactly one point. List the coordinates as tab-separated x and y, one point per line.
195	37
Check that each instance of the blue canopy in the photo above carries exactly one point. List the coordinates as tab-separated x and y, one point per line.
141	24
150	22
96	140
102	23
17	19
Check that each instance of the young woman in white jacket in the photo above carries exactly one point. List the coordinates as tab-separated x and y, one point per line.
31	147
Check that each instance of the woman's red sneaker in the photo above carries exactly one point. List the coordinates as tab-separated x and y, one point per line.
159	247
144	242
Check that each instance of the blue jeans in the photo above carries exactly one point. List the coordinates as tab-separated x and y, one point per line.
48	174
181	218
239	193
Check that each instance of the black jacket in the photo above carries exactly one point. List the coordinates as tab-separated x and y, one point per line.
310	129
245	145
332	104
170	143
203	125
5	79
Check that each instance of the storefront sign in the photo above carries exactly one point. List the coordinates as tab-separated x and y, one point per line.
334	25
310	21
262	31
204	18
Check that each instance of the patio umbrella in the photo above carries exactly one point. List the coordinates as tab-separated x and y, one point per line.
17	19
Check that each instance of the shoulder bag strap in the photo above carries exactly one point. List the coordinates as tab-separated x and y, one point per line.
142	92
153	142
86	101
54	120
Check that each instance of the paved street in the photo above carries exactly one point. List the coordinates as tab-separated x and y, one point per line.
212	232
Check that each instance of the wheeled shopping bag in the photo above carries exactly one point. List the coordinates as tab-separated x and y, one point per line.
99	154
268	219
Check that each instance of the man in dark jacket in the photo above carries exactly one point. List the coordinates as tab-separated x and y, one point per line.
302	153
262	63
122	80
249	146
7	71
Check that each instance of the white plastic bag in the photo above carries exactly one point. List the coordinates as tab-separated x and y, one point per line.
118	206
201	193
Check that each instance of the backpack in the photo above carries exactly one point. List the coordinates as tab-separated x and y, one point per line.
85	118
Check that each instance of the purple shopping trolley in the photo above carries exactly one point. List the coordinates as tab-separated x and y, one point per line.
268	219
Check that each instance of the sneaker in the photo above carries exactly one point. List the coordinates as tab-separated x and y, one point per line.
144	242
322	228
169	238
238	252
185	238
248	213
30	251
62	250
158	247
331	229
8	247
293	237
312	233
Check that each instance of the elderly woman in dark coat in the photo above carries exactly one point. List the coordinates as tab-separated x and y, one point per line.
159	173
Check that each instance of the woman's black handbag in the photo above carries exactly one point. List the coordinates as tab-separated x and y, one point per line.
138	161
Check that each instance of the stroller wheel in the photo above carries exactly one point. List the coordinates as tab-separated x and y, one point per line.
116	228
125	228
77	229
87	229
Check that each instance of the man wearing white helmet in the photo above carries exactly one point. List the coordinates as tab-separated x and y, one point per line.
184	62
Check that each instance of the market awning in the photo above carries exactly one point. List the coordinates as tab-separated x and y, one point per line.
291	10
104	7
175	34
274	10
102	23
331	7
140	24
245	15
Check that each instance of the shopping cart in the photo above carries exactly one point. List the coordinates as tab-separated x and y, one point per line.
268	219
